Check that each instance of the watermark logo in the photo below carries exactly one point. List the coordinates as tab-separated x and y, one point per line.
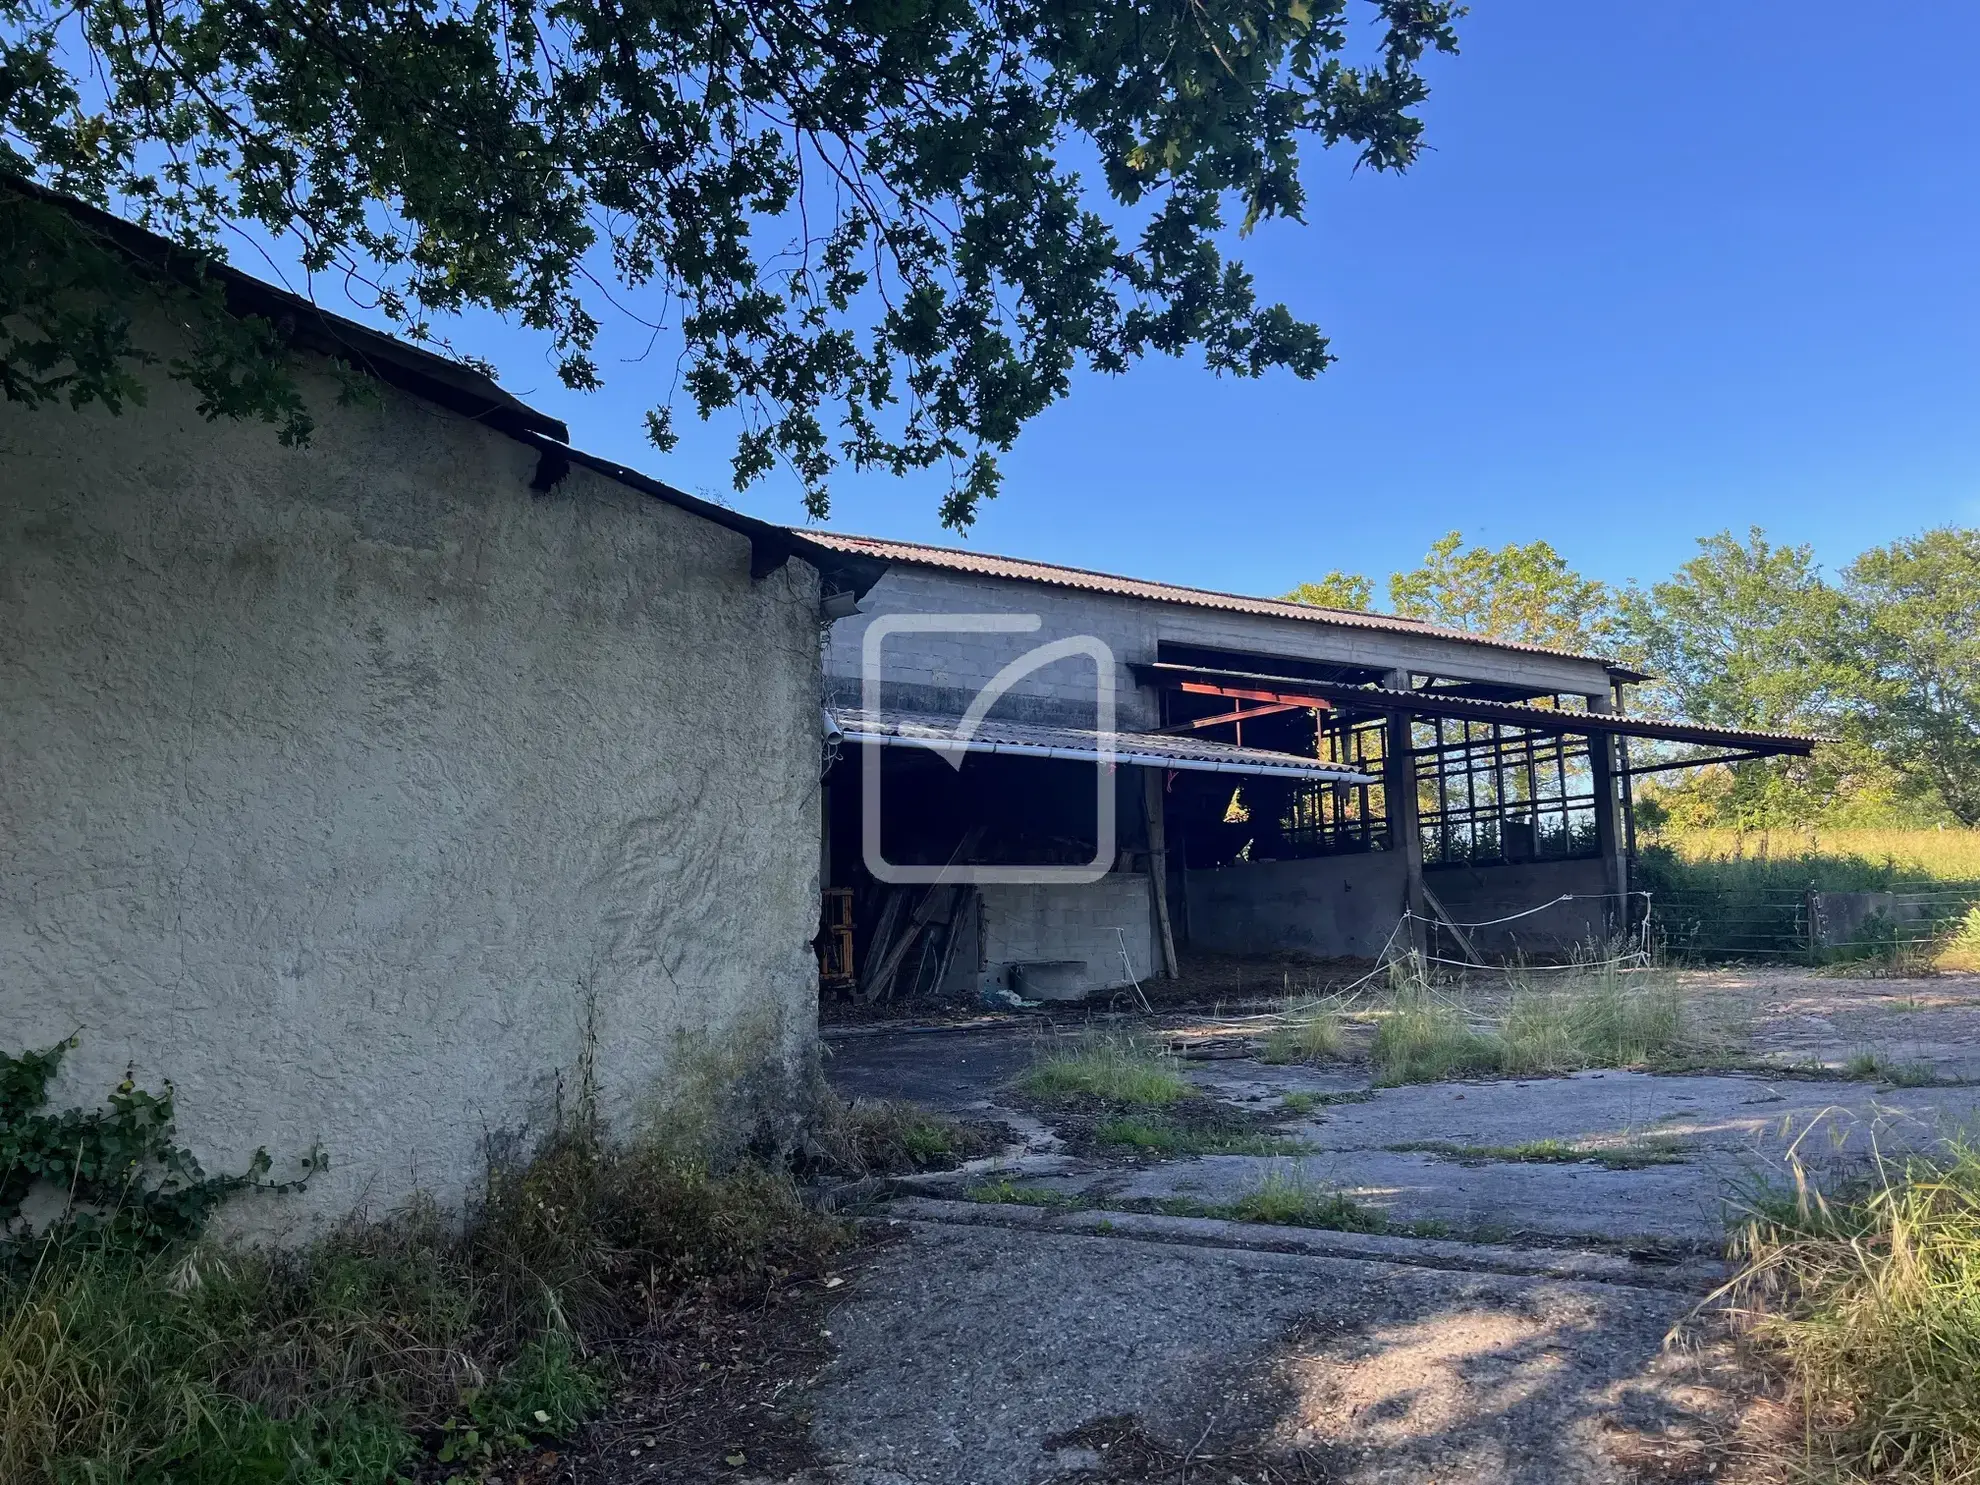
955	743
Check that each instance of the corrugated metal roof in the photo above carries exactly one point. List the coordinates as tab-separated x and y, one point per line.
983	564
1432	703
1035	740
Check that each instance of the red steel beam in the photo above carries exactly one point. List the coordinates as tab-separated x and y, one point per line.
1286	699
1239	716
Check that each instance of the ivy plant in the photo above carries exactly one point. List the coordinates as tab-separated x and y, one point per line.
119	1168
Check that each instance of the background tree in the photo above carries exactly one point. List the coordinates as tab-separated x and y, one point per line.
1744	635
1741	635
1910	658
886	233
1348	590
1524	593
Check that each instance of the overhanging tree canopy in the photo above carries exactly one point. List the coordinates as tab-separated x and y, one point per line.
885	230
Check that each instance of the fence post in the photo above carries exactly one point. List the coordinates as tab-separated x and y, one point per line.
1813	900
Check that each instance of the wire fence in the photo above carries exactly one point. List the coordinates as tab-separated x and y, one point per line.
1813	925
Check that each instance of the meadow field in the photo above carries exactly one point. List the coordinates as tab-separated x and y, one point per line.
1745	894
1838	860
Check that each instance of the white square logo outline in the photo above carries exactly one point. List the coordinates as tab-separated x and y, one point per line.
956	748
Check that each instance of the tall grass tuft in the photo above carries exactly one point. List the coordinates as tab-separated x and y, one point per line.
1423	1039
337	1364
1292	1201
1120	1069
1598	1018
1305	1035
1962	950
1871	1307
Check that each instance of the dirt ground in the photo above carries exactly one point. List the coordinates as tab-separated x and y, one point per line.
1508	1321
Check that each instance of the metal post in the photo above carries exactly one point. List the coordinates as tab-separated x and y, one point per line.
1399	791
1608	817
1158	864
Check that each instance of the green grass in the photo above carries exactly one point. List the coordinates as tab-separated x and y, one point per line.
1305	1037
1599	1019
1161	1137
1423	1040
1721	893
1279	1199
1006	1193
1594	1018
882	1136
1962	948
352	1360
1869	1304
1875	1067
1546	1152
1305	1102
1119	1069
1290	1201
1834	860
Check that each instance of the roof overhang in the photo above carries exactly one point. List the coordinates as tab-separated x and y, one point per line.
1430	703
770	545
439	380
948	737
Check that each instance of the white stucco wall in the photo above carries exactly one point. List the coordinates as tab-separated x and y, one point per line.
344	786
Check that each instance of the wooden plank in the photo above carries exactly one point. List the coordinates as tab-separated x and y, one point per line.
1158	864
1463	938
1405	835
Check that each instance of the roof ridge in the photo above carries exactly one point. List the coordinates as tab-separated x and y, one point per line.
966	559
1122	577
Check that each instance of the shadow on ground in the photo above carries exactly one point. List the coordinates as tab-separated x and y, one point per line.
1507	1324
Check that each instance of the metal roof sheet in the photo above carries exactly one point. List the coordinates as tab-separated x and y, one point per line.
1432	703
983	564
1036	740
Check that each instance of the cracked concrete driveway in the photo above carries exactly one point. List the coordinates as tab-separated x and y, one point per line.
971	1347
1509	1324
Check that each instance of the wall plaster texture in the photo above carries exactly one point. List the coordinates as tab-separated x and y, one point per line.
357	789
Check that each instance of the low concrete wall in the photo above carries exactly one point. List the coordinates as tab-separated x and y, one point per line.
1048	921
1338	907
1873	919
1476	894
1333	907
372	798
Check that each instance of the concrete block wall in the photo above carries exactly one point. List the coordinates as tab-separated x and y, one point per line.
1346	906
1476	894
1332	907
1038	921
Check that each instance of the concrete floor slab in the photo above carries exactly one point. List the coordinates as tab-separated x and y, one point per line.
1725	1133
955	1071
1396	1359
963	1349
1723	1114
1499	1201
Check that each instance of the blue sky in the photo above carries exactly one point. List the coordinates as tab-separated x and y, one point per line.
1671	267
